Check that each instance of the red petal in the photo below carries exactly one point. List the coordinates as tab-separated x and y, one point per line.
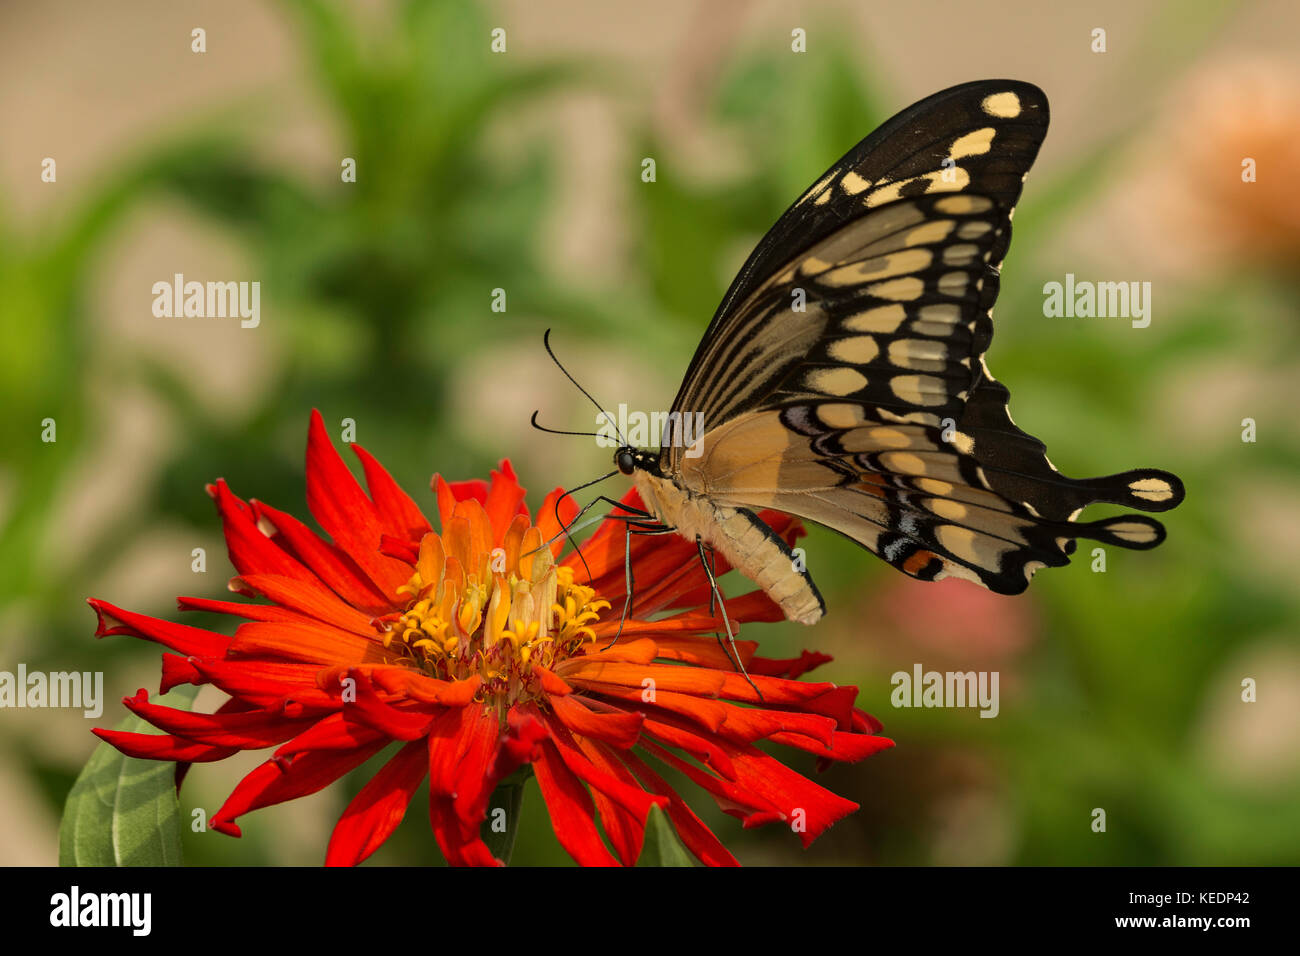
162	747
312	600
250	550
631	798
333	567
449	493
461	743
179	637
250	730
459	849
346	514
571	810
446	746
625	832
688	680
265	684
368	709
332	732
697	837
550	682
548	523
865	723
792	668
711	714
421	688
313	643
704	746
475	781
252	612
408	552
377	810
399	513
619	728
843	746
765	785
279	780
178	670
505	499
521	743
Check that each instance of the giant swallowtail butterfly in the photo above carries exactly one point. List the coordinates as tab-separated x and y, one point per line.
843	378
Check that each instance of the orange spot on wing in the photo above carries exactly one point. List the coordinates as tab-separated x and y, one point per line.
917	562
873	483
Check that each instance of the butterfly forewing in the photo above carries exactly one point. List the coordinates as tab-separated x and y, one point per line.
843	378
876	220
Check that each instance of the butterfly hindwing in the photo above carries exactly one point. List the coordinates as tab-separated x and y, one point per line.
905	493
844	380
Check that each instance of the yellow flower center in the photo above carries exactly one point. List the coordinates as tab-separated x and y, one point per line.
496	614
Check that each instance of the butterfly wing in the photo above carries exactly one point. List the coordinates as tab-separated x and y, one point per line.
969	145
928	509
843	378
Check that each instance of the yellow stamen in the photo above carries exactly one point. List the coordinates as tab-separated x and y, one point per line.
498	627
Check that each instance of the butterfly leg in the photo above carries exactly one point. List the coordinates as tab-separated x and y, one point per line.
640	527
567	529
730	647
713	572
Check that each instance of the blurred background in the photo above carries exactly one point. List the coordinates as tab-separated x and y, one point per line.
522	171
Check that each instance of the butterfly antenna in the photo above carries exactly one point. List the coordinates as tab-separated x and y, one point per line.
555	431
546	341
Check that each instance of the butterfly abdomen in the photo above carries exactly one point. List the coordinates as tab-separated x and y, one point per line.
742	539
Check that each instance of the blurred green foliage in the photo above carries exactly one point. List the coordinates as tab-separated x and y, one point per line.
386	285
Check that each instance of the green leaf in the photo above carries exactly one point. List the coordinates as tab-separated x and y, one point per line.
662	847
123	811
509	796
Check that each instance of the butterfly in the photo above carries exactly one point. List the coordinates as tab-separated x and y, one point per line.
843	379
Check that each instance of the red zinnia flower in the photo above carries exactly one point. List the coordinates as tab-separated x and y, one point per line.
477	653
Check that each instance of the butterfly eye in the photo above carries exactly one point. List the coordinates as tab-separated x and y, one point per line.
625	461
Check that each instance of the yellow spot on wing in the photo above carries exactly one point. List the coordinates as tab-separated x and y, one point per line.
841	415
900	290
881	267
1152	489
960	254
946	508
853	183
874	440
963	205
858	350
958	180
953	283
1002	105
883	318
933	231
973	229
972	144
1137	532
934	486
903	463
923	354
944	312
919	389
962	442
835	381
968	546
